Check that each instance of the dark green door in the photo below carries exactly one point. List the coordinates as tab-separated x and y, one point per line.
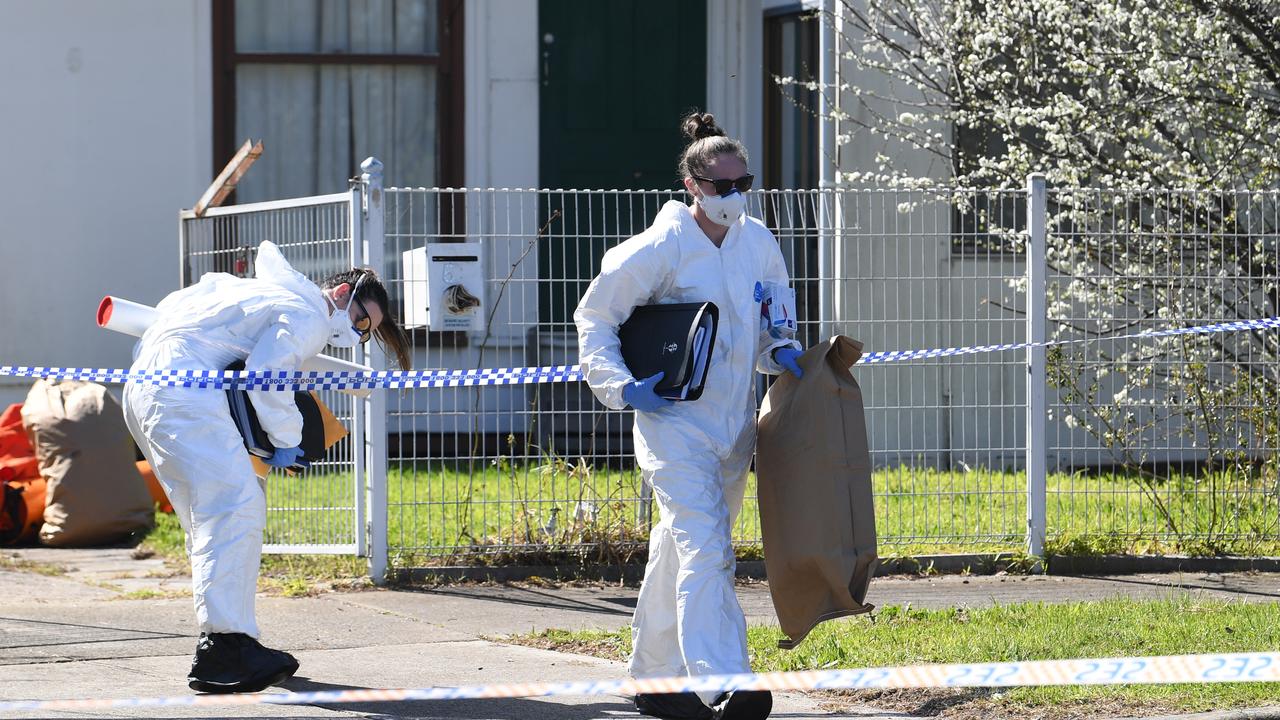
616	77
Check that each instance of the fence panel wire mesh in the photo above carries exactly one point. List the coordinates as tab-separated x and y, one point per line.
1169	442
1164	444
498	472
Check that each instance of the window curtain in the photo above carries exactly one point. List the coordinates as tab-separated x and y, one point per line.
319	122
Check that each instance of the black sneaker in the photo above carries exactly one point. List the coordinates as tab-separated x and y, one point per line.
673	706
237	663
744	705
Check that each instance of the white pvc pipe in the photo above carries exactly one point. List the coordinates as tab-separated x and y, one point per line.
125	316
131	318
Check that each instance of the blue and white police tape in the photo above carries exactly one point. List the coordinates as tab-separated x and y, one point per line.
300	380
401	379
1207	668
886	356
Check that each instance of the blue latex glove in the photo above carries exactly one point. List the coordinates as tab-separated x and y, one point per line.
285	457
787	357
641	395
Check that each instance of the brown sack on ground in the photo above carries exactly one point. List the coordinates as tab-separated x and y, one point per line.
95	494
813	467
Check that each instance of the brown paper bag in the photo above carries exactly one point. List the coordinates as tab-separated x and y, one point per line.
95	494
813	467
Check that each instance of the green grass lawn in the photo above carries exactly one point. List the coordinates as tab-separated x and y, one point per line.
897	636
290	575
438	510
558	512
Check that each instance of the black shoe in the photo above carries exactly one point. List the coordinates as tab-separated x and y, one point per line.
744	705
673	706
236	663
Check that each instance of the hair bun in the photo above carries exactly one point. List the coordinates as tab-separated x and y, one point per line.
698	125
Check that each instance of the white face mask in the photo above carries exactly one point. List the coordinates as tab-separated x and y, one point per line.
341	333
724	209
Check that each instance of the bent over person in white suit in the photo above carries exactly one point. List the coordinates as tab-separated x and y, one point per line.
273	321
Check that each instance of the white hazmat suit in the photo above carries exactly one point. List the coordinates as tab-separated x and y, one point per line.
694	454
273	321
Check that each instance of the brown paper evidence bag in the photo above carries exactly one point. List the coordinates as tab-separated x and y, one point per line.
813	468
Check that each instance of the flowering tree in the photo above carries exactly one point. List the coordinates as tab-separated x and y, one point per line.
1169	110
1114	93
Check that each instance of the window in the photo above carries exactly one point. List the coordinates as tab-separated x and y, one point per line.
791	110
791	151
327	83
983	223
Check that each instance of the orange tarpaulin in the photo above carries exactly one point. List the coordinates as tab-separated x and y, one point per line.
22	490
153	486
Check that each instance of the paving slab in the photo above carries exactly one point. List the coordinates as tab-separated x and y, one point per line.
444	663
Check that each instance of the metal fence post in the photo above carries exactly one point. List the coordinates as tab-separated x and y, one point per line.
828	141
359	407
372	236
1037	410
184	251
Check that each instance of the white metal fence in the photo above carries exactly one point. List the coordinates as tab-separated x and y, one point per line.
1100	442
1175	437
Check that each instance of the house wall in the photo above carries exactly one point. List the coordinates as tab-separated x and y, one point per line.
107	121
735	71
122	139
901	287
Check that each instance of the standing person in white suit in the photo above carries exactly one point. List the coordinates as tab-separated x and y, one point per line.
694	454
273	321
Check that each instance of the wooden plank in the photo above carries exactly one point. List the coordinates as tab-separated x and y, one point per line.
226	181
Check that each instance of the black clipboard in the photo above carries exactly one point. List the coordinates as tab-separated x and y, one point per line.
677	339
255	437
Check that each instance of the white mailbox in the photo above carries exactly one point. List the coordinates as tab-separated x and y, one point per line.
444	286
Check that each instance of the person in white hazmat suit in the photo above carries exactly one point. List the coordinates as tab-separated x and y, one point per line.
273	321
694	454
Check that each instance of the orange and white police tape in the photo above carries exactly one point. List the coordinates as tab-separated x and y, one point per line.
1207	668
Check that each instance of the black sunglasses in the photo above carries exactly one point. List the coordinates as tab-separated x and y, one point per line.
723	187
364	325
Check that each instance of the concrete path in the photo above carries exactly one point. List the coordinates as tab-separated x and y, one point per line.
80	635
